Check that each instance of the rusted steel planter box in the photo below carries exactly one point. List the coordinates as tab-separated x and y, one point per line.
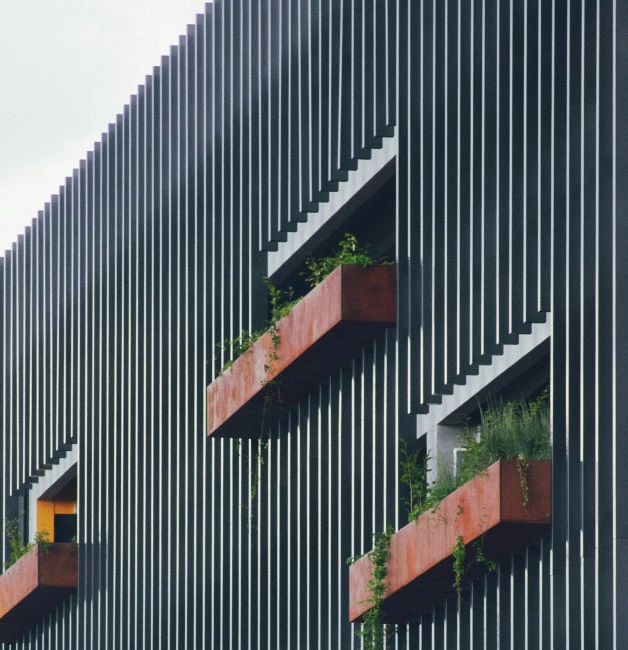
489	508
35	585
325	329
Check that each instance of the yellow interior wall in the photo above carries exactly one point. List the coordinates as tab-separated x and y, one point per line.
46	518
64	507
46	511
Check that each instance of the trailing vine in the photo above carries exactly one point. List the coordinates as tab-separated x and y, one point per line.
522	468
272	396
459	553
374	632
281	302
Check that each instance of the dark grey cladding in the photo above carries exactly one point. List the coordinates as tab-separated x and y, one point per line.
512	153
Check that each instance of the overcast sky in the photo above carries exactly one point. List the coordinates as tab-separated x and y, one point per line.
67	67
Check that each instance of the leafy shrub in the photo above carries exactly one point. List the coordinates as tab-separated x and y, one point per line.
42	541
350	252
16	542
281	302
17	545
517	430
444	484
414	470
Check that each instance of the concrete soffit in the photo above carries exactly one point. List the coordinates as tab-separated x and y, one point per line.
504	369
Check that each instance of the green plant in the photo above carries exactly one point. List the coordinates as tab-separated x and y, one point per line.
270	396
374	632
42	541
444	484
350	252
480	558
16	542
281	302
414	468
17	545
517	430
354	558
459	553
258	461
235	347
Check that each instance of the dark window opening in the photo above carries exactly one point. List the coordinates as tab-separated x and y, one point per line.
65	528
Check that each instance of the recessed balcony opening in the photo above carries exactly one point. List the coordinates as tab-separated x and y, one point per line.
371	219
56	514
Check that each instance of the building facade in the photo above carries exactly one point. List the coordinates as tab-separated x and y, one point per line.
481	145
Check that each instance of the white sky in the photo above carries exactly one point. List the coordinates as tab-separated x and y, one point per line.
67	67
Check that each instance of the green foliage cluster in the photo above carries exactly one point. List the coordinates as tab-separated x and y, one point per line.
239	345
517	430
17	545
349	252
414	468
42	541
446	482
459	553
374	632
281	302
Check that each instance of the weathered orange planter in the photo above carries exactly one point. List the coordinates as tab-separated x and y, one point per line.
328	326
488	509
35	585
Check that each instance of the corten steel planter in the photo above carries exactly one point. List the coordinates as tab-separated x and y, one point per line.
488	509
34	586
322	331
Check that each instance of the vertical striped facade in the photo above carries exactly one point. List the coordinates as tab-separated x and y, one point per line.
501	128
